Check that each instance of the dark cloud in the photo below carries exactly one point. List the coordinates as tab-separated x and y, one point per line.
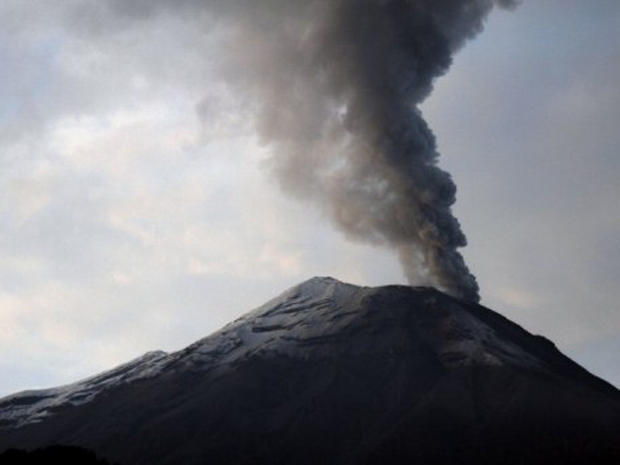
335	88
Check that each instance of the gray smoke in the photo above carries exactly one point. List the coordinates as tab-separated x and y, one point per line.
335	88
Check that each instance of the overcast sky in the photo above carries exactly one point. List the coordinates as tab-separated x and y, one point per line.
137	211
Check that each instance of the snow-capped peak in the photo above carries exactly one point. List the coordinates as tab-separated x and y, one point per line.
317	319
34	405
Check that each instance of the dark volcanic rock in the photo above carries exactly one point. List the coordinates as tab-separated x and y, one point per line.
334	373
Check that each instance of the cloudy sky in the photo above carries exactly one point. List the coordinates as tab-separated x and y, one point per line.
137	210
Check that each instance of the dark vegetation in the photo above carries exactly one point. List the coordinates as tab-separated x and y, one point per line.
63	455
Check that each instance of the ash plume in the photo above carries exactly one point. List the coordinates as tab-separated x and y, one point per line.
336	86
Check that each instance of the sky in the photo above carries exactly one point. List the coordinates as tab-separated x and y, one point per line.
138	211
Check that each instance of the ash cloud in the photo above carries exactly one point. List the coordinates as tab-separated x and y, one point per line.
335	87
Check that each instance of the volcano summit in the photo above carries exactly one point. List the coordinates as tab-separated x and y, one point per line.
335	373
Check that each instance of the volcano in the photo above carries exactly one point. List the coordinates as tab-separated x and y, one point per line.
334	373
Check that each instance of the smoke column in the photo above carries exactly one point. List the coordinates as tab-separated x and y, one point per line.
336	86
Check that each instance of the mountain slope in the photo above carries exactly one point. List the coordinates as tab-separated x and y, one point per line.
334	373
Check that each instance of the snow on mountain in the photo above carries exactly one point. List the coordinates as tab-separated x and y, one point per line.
319	317
298	323
34	405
